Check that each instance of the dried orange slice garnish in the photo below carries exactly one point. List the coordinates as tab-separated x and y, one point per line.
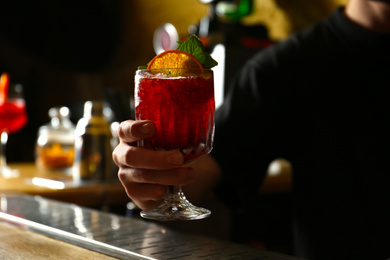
4	80
174	59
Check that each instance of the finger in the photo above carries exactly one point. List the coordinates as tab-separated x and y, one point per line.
130	131
149	204
146	195
178	176
125	155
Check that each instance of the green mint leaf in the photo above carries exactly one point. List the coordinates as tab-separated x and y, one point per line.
195	47
209	62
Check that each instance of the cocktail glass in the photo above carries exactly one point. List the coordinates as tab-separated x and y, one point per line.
13	117
181	104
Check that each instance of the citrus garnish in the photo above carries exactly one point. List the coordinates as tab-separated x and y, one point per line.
174	59
188	58
4	80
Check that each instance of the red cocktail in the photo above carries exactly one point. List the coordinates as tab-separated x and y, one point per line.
12	115
181	104
182	109
12	118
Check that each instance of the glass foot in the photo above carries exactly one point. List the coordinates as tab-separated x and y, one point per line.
173	210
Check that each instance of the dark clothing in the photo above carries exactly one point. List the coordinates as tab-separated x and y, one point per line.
320	100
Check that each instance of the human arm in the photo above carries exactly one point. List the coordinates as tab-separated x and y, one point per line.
145	173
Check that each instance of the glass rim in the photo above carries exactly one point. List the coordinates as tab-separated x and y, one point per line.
175	72
186	69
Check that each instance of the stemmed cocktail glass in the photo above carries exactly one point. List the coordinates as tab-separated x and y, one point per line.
181	104
12	118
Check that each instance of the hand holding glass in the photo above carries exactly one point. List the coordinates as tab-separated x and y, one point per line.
181	104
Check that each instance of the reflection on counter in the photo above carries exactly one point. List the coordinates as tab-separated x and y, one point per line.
115	236
48	183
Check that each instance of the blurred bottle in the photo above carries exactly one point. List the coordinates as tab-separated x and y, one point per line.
234	10
55	142
93	160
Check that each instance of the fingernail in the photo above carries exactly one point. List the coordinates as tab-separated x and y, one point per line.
175	159
146	129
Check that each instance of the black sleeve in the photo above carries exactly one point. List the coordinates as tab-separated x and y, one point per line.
250	128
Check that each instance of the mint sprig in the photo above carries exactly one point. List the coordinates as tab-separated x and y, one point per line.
195	47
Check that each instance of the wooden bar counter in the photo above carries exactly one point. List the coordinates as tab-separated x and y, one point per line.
21	244
61	186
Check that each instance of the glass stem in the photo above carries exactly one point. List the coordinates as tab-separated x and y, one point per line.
4	139
175	193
